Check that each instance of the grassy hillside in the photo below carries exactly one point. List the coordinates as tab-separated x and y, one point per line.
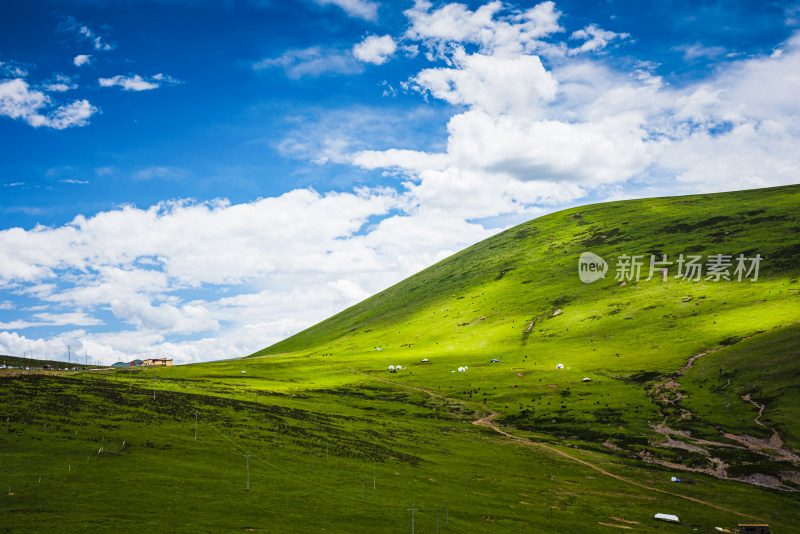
517	297
690	379
530	270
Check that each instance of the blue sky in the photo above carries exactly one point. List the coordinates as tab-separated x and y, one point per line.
201	179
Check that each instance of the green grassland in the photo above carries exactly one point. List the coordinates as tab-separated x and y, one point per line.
339	444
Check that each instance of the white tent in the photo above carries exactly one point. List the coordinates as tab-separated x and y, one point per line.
391	367
461	369
667	517
560	366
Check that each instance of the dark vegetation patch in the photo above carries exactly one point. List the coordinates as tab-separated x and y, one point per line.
642	377
685	228
525	232
611	236
39	399
785	258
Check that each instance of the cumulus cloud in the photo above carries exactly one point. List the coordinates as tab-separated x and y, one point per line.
581	122
19	101
138	83
82	59
139	264
490	83
313	61
375	50
492	27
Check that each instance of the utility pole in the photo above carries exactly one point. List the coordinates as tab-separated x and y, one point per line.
69	354
247	458
412	517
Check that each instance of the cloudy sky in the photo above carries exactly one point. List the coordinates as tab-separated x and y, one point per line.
199	179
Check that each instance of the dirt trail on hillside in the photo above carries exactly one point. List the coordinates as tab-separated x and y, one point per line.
488	421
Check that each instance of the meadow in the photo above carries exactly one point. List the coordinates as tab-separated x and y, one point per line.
688	379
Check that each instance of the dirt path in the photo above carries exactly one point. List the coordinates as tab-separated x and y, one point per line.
488	421
773	447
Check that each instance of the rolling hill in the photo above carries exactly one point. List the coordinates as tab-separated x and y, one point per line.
687	376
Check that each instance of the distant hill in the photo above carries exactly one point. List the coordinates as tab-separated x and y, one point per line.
34	363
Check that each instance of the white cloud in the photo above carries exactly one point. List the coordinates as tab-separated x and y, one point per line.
82	59
7	305
53	319
595	38
313	61
138	83
75	114
19	101
363	9
581	125
375	50
165	318
495	29
491	83
60	83
138	264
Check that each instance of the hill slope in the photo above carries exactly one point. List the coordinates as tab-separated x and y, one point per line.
531	269
517	297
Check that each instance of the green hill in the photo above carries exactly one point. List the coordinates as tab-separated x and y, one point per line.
693	379
517	297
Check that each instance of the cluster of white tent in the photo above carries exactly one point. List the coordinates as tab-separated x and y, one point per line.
395	368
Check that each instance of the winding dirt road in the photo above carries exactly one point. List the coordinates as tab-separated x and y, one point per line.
489	422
